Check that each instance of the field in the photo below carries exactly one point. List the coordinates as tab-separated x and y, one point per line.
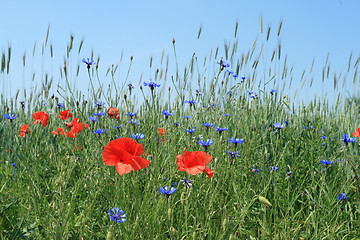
207	152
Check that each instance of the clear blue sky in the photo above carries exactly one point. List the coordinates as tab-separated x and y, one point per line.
310	30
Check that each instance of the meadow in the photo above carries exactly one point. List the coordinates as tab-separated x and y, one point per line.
217	150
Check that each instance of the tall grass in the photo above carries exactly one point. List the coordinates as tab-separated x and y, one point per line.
59	188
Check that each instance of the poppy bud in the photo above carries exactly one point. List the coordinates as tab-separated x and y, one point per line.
52	96
169	88
125	96
140	87
7	109
77	103
173	40
157	70
96	66
131	57
222	82
85	102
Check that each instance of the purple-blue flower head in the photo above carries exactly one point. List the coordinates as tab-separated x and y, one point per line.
94	119
273	91
279	125
229	71
167	113
347	139
176	124
220	129
130	86
223	64
236	140
100	114
207	143
342	196
166	190
131	114
187	182
326	162
99	104
118	127
10	116
88	62
226	114
117	215
59	105
187	117
255	170
100	131
137	136
233	154
151	85
191	130
198	93
274	168
235	75
208	125
133	121
191	102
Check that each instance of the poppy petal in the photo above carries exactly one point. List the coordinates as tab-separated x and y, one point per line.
122	168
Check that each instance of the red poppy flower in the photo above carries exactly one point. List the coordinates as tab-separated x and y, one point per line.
357	133
24	130
125	154
42	117
61	131
114	112
194	163
65	115
161	131
70	134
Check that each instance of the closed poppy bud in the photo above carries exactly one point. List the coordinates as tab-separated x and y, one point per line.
222	82
77	103
173	40
125	96
131	57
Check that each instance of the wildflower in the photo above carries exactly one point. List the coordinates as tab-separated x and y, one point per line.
198	93
288	174
10	116
162	131
151	85
137	136
279	126
59	105
223	64
99	104
114	112
235	75
342	196
187	182
255	170
176	124
229	72
326	162
255	96
206	144
243	78
42	117
100	114
13	164
88	62
190	102
272	91
131	114
187	116
236	141
175	184
118	127
250	92
208	125
226	114
194	163
167	113
191	130
274	168
347	139
100	131
124	154
61	131
304	127
130	86
166	190
230	93
94	119
24	130
117	215
287	122
220	130
133	121
233	154
65	115
357	133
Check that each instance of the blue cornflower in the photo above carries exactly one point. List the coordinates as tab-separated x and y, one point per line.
59	105
279	125
176	124
347	139
236	140
100	131
219	129
273	91
233	154
133	121
323	137
255	170
287	122
10	116
100	114
22	104
229	92
255	96
118	127
342	196
274	168
250	92
137	136
13	164
94	119
99	104
243	78
167	113
88	62
191	130
175	184
130	86
230	72
117	215
187	117
207	143
187	182
304	127
131	114
226	114
208	125
191	102
151	85
235	75
166	190
326	162
223	64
